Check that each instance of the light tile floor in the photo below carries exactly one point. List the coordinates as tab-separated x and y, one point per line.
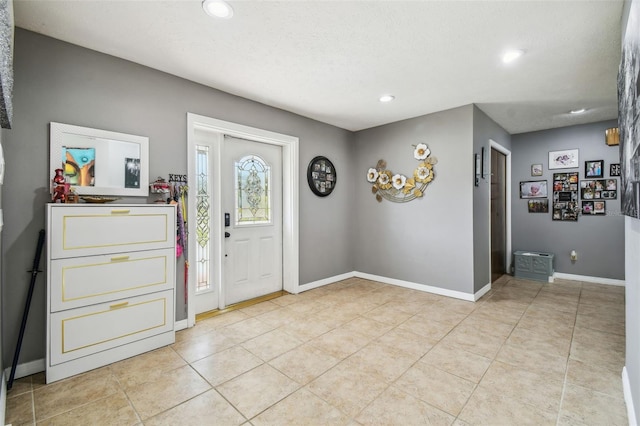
361	352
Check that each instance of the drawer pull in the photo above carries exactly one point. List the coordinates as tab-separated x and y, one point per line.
119	258
121	211
119	305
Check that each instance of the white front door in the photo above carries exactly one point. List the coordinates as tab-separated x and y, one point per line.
252	198
209	182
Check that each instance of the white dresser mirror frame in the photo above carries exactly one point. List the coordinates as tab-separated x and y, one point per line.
118	162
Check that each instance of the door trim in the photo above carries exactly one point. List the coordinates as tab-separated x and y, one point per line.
507	262
290	199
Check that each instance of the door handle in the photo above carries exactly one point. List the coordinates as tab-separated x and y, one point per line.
227	235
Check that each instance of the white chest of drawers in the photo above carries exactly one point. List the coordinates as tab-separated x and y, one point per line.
110	284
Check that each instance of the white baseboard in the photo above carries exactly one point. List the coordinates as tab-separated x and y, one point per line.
27	369
588	279
181	325
626	388
484	290
421	287
400	283
326	281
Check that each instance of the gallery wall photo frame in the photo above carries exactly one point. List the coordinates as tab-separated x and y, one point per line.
565	159
536	170
565	197
598	189
321	176
594	208
614	169
536	205
593	168
534	189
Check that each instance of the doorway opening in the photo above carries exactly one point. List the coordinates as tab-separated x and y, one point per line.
500	211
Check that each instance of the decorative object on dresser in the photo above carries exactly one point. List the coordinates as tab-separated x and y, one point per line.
160	187
60	187
98	199
110	284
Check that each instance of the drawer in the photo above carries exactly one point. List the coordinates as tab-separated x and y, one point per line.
80	230
85	331
82	281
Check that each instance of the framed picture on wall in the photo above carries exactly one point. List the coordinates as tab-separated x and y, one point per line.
599	189
566	159
565	197
536	170
614	169
538	206
534	189
590	208
593	168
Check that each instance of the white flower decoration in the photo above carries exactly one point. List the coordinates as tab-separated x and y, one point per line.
421	152
422	173
372	175
399	181
383	179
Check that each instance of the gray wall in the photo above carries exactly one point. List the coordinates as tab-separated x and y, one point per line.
484	128
598	240
429	240
56	81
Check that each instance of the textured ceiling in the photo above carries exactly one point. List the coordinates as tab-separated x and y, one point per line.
331	60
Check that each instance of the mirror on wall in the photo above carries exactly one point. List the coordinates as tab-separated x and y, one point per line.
100	162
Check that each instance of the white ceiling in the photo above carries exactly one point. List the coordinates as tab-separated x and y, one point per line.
331	60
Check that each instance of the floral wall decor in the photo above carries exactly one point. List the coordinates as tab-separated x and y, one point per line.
398	187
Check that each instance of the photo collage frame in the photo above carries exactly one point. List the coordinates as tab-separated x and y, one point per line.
572	197
565	196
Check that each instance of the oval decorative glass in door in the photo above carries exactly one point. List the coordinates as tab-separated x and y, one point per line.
253	203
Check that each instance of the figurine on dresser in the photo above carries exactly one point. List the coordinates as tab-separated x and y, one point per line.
60	187
62	191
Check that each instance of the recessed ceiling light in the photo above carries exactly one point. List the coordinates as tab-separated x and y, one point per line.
512	55
217	8
387	98
577	111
